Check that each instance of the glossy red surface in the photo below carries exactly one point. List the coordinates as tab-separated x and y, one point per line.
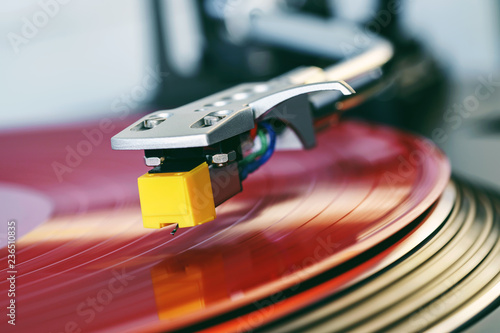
93	267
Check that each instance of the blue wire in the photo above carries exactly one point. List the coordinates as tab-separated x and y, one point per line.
253	166
272	144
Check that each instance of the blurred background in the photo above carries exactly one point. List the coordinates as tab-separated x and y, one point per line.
67	61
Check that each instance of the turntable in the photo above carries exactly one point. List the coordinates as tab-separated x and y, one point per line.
273	205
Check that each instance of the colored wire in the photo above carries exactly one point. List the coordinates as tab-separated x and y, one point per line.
263	147
256	164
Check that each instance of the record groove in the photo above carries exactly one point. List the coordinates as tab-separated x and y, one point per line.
441	287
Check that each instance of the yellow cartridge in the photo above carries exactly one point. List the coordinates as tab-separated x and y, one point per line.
185	198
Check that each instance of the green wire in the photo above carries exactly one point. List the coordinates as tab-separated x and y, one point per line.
263	147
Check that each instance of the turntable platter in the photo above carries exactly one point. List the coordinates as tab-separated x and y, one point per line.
92	266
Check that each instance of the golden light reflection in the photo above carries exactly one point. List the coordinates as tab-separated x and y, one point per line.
181	289
97	226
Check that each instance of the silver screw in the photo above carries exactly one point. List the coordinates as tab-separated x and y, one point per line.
224	158
220	159
210	120
153	161
153	122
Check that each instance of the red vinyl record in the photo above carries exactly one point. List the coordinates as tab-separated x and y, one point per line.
92	266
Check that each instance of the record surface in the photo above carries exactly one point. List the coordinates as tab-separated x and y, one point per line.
92	265
434	282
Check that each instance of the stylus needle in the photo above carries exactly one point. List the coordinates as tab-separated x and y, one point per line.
174	230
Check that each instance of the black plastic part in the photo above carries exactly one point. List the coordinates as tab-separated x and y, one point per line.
185	159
